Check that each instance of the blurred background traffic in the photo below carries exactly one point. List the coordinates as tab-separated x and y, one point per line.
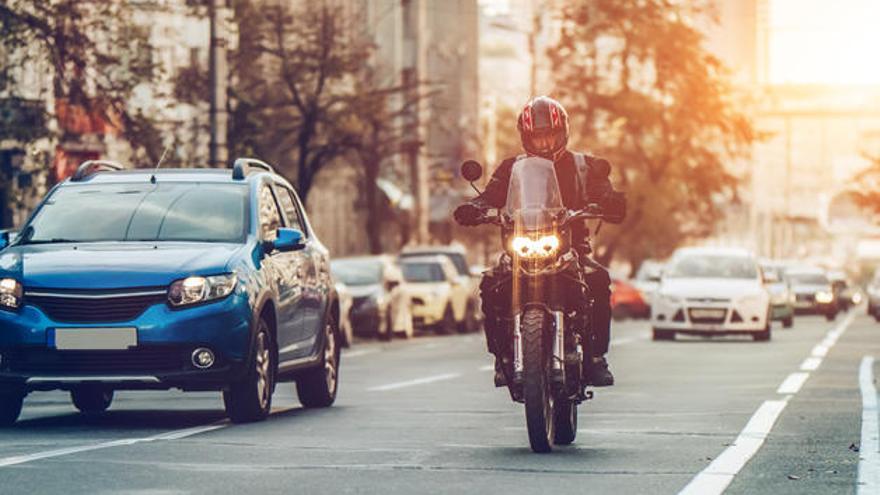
730	123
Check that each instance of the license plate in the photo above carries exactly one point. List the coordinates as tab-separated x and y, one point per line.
707	313
95	339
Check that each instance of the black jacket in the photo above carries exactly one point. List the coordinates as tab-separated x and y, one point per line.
597	190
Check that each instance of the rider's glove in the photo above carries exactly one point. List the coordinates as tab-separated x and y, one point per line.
467	214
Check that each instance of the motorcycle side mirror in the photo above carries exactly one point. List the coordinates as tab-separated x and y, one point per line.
471	170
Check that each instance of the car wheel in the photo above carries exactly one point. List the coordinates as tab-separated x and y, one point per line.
831	315
658	334
385	328
788	322
764	335
250	399
469	324
317	387
10	406
448	325
91	399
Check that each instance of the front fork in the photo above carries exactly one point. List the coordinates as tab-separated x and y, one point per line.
557	360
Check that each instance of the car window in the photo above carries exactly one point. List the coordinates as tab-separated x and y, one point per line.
713	266
270	218
458	259
808	279
423	272
193	212
357	272
294	218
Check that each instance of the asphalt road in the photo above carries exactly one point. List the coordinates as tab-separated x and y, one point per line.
422	417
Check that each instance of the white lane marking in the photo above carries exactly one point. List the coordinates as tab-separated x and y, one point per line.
359	352
172	435
417	381
718	475
793	383
811	363
869	447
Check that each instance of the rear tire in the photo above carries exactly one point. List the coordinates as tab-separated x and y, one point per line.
250	399
536	384
91	400
388	332
658	334
831	316
10	407
317	387
565	421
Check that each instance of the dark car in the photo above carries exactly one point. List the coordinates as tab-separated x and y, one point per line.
197	279
813	292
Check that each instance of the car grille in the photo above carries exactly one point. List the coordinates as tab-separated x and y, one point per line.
96	308
145	360
707	315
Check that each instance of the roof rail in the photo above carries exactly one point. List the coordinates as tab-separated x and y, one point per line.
244	166
91	167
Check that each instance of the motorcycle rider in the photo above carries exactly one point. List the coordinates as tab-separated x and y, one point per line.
583	180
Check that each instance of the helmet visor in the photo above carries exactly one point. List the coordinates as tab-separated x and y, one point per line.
544	142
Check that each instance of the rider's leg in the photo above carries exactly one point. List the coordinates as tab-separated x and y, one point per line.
489	296
599	281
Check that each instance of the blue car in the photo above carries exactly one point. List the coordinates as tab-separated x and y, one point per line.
196	279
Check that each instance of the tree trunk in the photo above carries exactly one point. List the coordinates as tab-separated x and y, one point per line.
374	204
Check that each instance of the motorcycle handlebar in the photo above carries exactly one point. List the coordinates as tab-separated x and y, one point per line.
592	212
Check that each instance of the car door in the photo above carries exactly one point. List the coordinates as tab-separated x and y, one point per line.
285	273
309	264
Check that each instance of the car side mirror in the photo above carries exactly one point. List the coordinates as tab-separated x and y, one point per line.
288	240
471	170
6	238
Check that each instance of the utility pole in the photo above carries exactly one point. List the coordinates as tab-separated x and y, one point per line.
218	69
533	48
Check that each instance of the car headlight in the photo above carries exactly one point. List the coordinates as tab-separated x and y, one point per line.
195	290
857	298
544	247
10	294
824	297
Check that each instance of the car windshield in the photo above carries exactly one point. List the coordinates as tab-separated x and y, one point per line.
713	266
423	272
357	272
808	278
141	212
457	259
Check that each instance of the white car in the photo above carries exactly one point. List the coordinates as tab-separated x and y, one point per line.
345	304
709	292
465	296
430	282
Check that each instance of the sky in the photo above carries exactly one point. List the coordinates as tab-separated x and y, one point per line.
825	41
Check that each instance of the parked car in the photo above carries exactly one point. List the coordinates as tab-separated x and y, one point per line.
647	279
813	292
873	295
465	286
197	279
782	298
709	292
627	301
346	330
380	305
430	281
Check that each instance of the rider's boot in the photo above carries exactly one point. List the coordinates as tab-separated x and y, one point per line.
598	374
500	378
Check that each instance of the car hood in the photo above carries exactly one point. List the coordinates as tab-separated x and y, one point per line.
112	265
726	288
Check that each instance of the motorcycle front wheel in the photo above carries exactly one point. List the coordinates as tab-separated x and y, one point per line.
536	380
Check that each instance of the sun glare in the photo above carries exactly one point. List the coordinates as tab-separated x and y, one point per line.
824	42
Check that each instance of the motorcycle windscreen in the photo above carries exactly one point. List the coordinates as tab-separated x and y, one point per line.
533	197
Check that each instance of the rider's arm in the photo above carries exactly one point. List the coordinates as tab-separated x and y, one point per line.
600	191
495	194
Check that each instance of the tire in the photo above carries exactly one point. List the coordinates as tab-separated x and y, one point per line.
764	335
317	387
788	322
536	383
250	398
831	316
565	422
658	334
10	407
388	332
91	400
448	325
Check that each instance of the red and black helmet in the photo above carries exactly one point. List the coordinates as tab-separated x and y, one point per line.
543	127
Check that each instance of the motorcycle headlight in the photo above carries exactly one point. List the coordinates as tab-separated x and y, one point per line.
195	290
544	247
10	294
824	297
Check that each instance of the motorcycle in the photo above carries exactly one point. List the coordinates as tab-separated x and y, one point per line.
545	330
